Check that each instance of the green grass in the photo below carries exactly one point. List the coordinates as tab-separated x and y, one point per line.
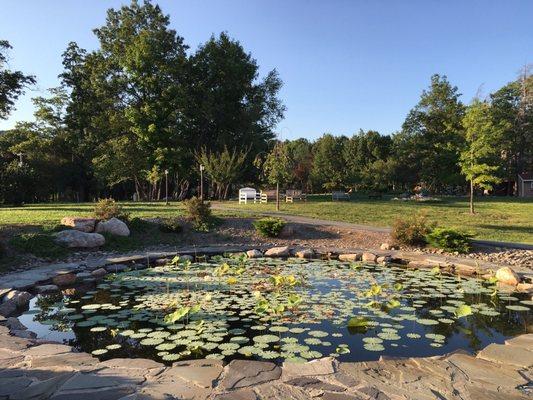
497	218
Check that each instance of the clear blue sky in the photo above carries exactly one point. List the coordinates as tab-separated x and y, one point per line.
346	64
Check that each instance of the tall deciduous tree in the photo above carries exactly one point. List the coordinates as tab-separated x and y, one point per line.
479	159
432	134
12	83
278	167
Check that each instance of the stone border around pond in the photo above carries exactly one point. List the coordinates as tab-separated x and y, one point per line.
35	368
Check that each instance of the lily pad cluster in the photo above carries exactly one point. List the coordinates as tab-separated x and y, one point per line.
286	310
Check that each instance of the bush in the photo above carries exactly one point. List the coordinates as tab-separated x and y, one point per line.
270	227
170	226
109	208
411	231
200	213
449	239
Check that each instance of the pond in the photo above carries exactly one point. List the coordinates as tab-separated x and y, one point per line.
282	310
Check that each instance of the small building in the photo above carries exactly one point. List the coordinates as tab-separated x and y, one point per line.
525	184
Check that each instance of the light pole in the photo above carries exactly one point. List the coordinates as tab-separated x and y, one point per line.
21	162
202	182
166	186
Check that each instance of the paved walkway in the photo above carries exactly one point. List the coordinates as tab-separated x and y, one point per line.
341	224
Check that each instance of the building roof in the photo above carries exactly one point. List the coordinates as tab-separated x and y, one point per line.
526	176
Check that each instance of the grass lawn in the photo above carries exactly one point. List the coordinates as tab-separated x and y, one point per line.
497	218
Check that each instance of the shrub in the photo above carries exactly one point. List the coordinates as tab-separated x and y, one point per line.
109	208
270	227
450	240
38	244
200	213
411	231
170	226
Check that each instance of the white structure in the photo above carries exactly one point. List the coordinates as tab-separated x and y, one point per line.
246	194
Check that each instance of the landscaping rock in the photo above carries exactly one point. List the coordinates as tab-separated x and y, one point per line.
369	257
15	325
254	254
507	276
114	226
79	224
350	257
46	289
115	268
20	298
73	238
243	373
525	287
83	275
203	373
384	259
99	273
283	251
321	366
64	279
385	246
22	333
8	308
507	354
186	257
305	253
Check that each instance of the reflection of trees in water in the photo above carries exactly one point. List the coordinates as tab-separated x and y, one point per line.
476	325
50	307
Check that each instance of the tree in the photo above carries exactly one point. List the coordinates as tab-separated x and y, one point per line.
12	83
278	167
328	164
432	134
479	158
224	168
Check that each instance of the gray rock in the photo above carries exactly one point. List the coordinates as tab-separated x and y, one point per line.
79	223
42	389
24	334
14	324
83	275
322	366
114	226
243	373
305	253
254	254
114	393
72	239
8	308
46	289
64	279
21	298
203	373
45	350
99	273
116	268
11	386
283	251
311	383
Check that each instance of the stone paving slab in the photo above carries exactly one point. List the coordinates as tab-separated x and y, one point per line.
507	354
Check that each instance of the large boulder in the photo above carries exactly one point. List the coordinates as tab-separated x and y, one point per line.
80	224
284	251
64	279
507	276
369	257
114	226
305	253
73	238
350	257
254	253
20	298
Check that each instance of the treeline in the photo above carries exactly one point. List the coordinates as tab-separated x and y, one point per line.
143	108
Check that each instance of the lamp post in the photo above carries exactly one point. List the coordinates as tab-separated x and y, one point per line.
166	186
202	182
21	161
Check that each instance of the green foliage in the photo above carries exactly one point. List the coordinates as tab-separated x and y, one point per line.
17	182
223	168
411	231
38	244
450	240
171	226
12	83
108	208
277	167
199	212
269	227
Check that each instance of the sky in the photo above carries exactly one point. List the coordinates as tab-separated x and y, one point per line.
346	64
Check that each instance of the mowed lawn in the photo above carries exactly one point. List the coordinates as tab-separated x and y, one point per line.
502	219
498	218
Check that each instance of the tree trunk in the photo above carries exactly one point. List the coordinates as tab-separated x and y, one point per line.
277	196
472	197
